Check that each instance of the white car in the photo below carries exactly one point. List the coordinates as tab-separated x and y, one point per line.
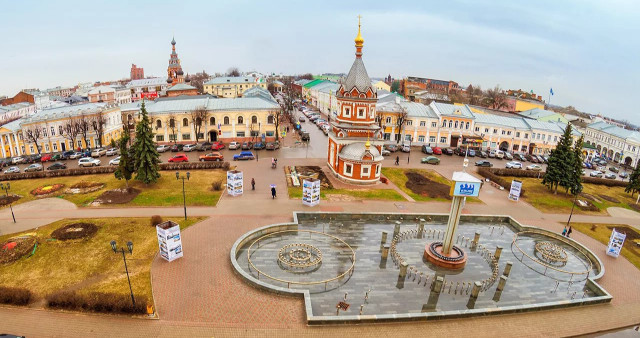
234	145
492	154
12	170
596	173
112	151
75	155
534	167
98	152
163	148
88	162
405	148
189	147
17	160
115	161
514	165
499	154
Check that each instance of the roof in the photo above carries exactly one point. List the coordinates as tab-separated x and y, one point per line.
16	106
154	81
615	130
313	83
278	83
102	89
234	80
358	77
189	103
181	86
65	111
446	109
515	122
13	125
301	82
258	91
537	113
356	151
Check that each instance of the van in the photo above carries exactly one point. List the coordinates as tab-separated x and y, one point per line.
499	154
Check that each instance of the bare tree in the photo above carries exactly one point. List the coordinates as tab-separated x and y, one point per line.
276	117
33	134
84	127
400	123
172	126
70	131
198	116
233	71
496	99
307	76
198	80
98	123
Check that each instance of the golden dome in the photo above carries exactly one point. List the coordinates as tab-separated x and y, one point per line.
359	40
368	144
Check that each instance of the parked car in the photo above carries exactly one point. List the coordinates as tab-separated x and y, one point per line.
98	152
513	165
405	148
499	154
259	146
35	158
163	148
391	147
437	150
67	154
179	158
459	151
212	157
203	146
247	145
430	160
46	158
519	157
304	136
545	158
427	150
471	153
272	145
540	159
244	155
602	168
596	173
234	145
88	162
177	147
217	145
76	155
301	119
17	160
57	157
531	158
534	167
484	163
385	152
113	151
33	167
188	147
12	170
610	176
588	165
508	156
483	154
115	161
492	153
57	166
623	175
5	162
614	169
86	153
447	151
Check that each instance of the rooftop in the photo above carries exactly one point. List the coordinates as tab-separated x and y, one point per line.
233	80
181	86
154	81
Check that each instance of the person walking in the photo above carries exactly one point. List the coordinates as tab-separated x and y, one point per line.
397	160
569	232
564	232
273	192
253	184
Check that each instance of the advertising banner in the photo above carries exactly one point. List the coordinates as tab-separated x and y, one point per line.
311	192
514	193
466	189
234	182
615	243
169	240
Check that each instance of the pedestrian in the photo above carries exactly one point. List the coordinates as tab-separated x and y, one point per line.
397	160
564	232
569	232
273	192
253	184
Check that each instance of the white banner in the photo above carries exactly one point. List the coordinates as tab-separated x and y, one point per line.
615	243
234	183
514	193
169	240
311	192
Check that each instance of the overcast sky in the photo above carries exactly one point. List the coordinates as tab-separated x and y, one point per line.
588	51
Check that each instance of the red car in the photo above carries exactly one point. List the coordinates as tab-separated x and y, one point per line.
45	158
217	145
437	150
179	158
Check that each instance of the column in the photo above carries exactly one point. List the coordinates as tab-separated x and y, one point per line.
452	225
18	150
11	151
4	155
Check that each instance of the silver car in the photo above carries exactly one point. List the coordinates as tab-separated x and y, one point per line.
33	167
88	162
513	165
163	148
12	170
98	152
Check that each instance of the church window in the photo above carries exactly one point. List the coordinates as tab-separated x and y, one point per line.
348	168
365	171
377	171
360	113
347	112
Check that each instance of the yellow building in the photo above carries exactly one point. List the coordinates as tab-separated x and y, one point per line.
60	129
524	105
381	85
232	86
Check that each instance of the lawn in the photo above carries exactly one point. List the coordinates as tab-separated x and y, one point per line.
166	192
546	201
367	194
602	233
88	265
399	178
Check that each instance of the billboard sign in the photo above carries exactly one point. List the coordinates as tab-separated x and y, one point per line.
516	188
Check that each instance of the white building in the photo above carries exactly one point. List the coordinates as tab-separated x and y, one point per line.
615	143
147	88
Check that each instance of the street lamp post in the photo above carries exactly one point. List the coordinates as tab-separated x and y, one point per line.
184	198
409	153
6	188
115	249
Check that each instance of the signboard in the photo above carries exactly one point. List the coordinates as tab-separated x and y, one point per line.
169	240
311	192
516	188
151	95
615	243
466	189
234	182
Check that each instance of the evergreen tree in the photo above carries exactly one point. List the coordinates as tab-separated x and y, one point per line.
126	166
576	173
634	181
560	163
146	156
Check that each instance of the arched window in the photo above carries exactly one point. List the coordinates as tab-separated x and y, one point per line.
185	122
172	123
270	119
466	126
456	124
226	120
444	123
450	123
158	124
254	119
388	119
240	120
212	121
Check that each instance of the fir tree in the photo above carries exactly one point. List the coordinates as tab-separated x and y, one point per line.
560	163
146	156
126	166
634	181
576	172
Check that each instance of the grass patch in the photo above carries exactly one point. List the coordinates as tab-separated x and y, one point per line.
367	194
546	201
602	233
399	178
166	192
88	265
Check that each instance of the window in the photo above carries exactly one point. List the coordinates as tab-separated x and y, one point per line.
486	130
517	134
270	133
270	119
60	131
185	122
421	139
158	124
509	132
360	113
347	112
365	171
200	135
407	137
79	144
254	119
240	120
212	121
172	123
450	123
348	167
388	119
31	149
423	123
543	136
387	136
478	129
526	135
443	139
503	132
409	122
186	137
377	170
44	131
55	147
240	134
433	124
53	131
495	131
555	139
444	123
173	137
46	147
159	138
456	124
432	139
226	120
466	126
254	133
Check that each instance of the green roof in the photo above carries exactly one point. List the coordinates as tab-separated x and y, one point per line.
313	83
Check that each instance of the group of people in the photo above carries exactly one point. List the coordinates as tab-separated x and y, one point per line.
567	233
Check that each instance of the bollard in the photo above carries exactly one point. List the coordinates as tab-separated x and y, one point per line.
384	238
396	229
507	269
403	269
361	308
476	239
498	253
421	227
385	251
437	287
502	282
476	289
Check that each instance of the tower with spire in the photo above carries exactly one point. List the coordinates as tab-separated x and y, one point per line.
355	139
175	75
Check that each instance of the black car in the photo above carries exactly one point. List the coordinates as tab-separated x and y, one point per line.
459	151
427	150
33	158
484	164
204	146
177	147
519	157
57	166
67	153
447	151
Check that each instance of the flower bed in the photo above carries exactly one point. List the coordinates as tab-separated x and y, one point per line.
84	187
16	248
46	190
75	231
6	200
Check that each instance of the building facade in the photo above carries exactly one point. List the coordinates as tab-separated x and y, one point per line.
61	91
615	143
148	89
15	111
232	86
175	75
136	73
109	94
355	144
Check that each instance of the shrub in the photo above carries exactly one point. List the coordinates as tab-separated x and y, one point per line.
14	296
97	302
155	220
488	173
216	185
